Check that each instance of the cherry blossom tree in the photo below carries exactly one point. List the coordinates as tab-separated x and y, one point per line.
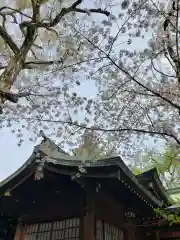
127	52
139	85
47	55
42	59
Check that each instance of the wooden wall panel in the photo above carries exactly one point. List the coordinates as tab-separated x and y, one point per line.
109	210
54	209
131	232
106	231
67	229
141	234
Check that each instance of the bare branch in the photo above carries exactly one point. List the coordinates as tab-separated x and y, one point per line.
73	8
8	40
62	13
37	63
166	75
177	23
12	97
92	10
13	11
75	4
16	63
29	65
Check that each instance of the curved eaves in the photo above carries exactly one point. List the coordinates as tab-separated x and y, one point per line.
21	169
137	183
162	188
116	161
154	176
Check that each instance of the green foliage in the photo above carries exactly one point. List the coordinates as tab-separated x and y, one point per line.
168	167
176	198
136	170
169	160
172	218
167	164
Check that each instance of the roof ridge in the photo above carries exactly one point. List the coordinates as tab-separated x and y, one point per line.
42	134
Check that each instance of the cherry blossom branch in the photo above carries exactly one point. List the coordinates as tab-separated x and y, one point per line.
100	129
174	55
123	25
157	94
17	62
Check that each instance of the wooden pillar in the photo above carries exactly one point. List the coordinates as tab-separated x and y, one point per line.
131	231
89	226
157	235
89	218
20	234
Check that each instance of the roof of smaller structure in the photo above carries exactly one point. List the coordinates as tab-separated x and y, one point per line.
48	152
174	207
152	176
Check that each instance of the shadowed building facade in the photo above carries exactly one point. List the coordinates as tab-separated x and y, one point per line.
53	196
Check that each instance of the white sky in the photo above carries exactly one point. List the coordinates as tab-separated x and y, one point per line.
12	156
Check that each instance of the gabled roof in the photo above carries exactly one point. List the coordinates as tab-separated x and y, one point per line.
158	190
48	152
174	208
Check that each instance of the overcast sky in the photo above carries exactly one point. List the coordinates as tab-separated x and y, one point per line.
12	156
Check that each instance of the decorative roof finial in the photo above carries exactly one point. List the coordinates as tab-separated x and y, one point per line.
42	134
88	137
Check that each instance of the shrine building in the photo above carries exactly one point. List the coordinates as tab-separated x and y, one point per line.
54	196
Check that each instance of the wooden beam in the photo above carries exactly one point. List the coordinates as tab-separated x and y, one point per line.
73	172
89	219
89	226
